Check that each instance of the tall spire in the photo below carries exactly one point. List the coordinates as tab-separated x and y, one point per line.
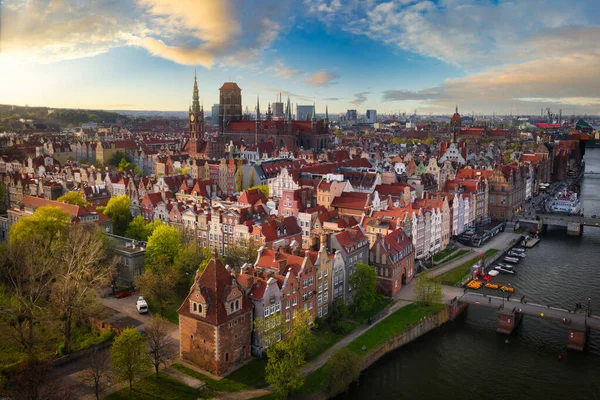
326	114
289	109
314	114
195	96
257	109
456	109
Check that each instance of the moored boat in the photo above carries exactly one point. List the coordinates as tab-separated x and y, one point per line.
516	254
493	273
505	270
511	260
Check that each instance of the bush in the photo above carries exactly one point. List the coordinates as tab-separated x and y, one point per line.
340	371
342	327
318	324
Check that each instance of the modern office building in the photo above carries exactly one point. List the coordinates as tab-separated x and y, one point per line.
371	116
304	113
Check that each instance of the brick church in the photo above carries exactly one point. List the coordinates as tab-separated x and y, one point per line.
215	321
233	126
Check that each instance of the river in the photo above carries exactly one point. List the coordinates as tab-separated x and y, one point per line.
467	359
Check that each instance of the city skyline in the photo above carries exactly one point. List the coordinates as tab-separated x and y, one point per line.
485	56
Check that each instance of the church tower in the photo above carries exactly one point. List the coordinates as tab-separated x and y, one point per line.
196	118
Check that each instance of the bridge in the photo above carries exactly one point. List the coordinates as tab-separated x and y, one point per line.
591	173
511	311
573	223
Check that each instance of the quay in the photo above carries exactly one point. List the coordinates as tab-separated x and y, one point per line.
511	311
532	242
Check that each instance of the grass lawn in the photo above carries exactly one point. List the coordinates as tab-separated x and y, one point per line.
458	254
361	317
457	274
226	384
444	253
251	374
163	388
391	326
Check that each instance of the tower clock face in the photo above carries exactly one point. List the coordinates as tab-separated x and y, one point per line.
192	118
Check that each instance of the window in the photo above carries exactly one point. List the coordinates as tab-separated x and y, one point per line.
287	304
287	316
326	272
266	312
320	275
326	285
226	356
294	301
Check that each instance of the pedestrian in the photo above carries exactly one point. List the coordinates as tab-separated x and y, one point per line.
490	300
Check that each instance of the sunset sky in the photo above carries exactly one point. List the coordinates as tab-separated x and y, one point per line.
394	56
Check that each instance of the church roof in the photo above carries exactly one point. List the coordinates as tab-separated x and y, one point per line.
230	86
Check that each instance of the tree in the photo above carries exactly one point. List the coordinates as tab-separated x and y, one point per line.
27	271
140	229
251	178
245	251
116	158
2	197
191	260
428	289
159	281
74	198
118	210
34	382
262	188
160	344
165	243
341	370
269	330
126	166
82	269
128	355
97	372
364	282
239	177
287	357
46	222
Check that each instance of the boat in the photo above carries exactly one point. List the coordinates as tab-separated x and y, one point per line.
493	273
519	249
516	254
567	202
511	260
505	270
505	266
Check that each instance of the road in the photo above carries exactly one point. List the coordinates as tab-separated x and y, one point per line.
71	373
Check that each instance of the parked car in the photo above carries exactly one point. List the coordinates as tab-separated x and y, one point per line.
125	293
141	305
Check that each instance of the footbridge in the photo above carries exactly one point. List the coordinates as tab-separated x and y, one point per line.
511	310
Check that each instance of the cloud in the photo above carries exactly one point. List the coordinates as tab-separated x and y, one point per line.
569	82
461	32
321	78
189	32
359	98
283	70
332	98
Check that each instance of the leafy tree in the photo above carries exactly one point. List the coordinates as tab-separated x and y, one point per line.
191	259
2	197
160	344
128	355
74	198
364	282
118	210
140	229
158	283
82	268
269	330
163	244
115	159
341	370
339	310
428	289
251	178
126	166
245	251
46	222
185	171
239	177
262	188
287	357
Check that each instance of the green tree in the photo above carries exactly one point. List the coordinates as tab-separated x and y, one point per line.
239	177
245	251
251	178
287	357
159	282
192	259
364	282
428	289
74	198
118	210
128	356
116	158
269	330
341	370
163	244
263	188
126	166
47	222
140	229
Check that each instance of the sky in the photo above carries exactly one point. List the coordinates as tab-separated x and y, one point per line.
399	56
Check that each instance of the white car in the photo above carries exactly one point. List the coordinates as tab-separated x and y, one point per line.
141	305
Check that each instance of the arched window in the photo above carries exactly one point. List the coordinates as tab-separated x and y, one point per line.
195	308
200	308
231	306
237	304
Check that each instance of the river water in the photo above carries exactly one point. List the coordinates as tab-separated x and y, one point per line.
467	359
